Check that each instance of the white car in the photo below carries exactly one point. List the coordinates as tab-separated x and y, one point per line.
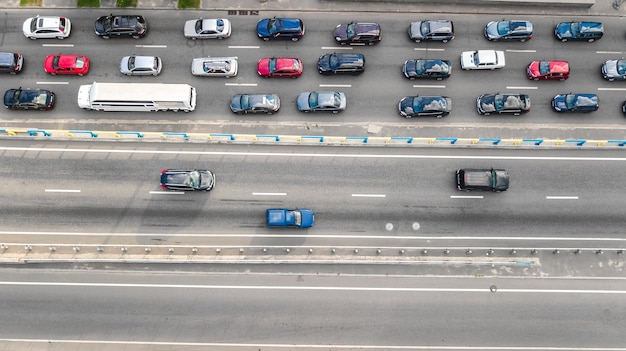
215	66
45	27
482	59
141	65
211	28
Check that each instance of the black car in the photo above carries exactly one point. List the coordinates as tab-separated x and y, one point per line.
580	31
27	99
354	33
121	26
425	106
509	30
575	103
433	30
174	179
515	104
280	28
427	69
340	63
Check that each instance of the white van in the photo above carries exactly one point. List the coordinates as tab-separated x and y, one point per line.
137	97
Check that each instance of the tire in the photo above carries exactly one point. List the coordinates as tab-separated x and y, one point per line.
522	40
105	37
591	40
60	37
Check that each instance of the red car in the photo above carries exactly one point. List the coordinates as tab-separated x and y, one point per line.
66	64
279	67
549	70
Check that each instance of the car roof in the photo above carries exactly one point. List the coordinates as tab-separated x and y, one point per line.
144	61
48	22
440	26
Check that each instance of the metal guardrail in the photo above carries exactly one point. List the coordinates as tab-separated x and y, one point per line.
221	138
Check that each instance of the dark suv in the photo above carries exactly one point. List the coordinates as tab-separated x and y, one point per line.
11	62
276	28
121	26
434	30
354	33
339	63
580	31
175	179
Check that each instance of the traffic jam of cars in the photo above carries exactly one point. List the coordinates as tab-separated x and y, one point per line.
352	33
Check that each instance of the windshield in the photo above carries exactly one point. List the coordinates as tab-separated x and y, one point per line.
313	99
271	25
195	179
350	30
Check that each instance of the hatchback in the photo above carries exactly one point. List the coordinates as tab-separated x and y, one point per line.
45	27
434	30
255	103
427	69
548	70
509	30
329	101
575	103
279	67
354	33
141	65
27	99
11	62
614	70
66	64
192	180
277	28
341	63
514	104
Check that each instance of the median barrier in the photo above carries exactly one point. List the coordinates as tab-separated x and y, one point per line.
226	138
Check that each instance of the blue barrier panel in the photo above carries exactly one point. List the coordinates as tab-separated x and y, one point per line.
276	138
321	138
619	142
33	132
232	137
537	142
139	135
579	142
356	138
92	134
452	140
184	135
409	140
496	141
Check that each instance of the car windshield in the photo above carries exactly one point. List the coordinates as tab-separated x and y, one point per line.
131	62
570	100
504	27
621	66
425	28
199	26
575	28
271	25
419	66
33	25
272	65
313	99
245	104
194	179
333	60
350	30
544	67
297	218
107	24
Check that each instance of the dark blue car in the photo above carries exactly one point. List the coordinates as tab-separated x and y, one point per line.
579	31
575	103
280	28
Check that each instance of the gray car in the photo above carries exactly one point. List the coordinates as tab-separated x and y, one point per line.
141	65
255	103
431	30
329	101
207	28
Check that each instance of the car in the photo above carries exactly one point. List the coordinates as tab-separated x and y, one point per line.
29	99
330	101
516	30
47	27
277	28
624	108
482	179
191	180
141	65
358	33
515	104
341	63
579	31
425	106
427	69
215	66
614	70
548	70
431	30
255	103
482	59
289	217
207	28
11	62
66	64
279	67
133	26
575	103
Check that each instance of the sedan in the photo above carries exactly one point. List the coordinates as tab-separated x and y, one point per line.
509	31
329	101
425	106
192	180
215	66
431	30
207	28
141	65
47	27
575	103
27	99
427	69
280	28
279	67
482	59
354	33
66	64
548	70
614	70
515	104
255	103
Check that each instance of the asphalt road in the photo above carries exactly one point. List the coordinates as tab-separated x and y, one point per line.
372	97
173	311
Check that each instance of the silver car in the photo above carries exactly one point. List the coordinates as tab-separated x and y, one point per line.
141	65
215	66
329	101
212	28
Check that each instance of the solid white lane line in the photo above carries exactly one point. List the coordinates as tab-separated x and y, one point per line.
513	87
335	85
269	194
369	195
62	191
430	86
612	89
610	52
561	197
243	47
466	196
60	83
167	192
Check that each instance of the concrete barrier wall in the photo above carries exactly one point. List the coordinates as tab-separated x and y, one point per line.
545	3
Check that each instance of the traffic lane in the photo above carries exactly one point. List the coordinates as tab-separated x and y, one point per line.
369	316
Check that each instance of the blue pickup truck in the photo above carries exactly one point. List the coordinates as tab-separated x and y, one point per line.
284	217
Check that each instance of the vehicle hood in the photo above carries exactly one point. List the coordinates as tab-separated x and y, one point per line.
303	101
502	180
559	102
416	29
263	67
405	106
610	68
323	63
26	26
564	30
492	30
409	68
190	28
235	103
341	32
308	218
467	59
261	27
99	25
206	180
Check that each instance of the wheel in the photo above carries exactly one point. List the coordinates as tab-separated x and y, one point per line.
523	40
294	39
105	37
444	41
590	40
536	79
563	40
135	37
417	41
266	39
53	74
60	37
193	38
32	38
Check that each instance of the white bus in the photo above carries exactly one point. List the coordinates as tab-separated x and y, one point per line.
131	97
